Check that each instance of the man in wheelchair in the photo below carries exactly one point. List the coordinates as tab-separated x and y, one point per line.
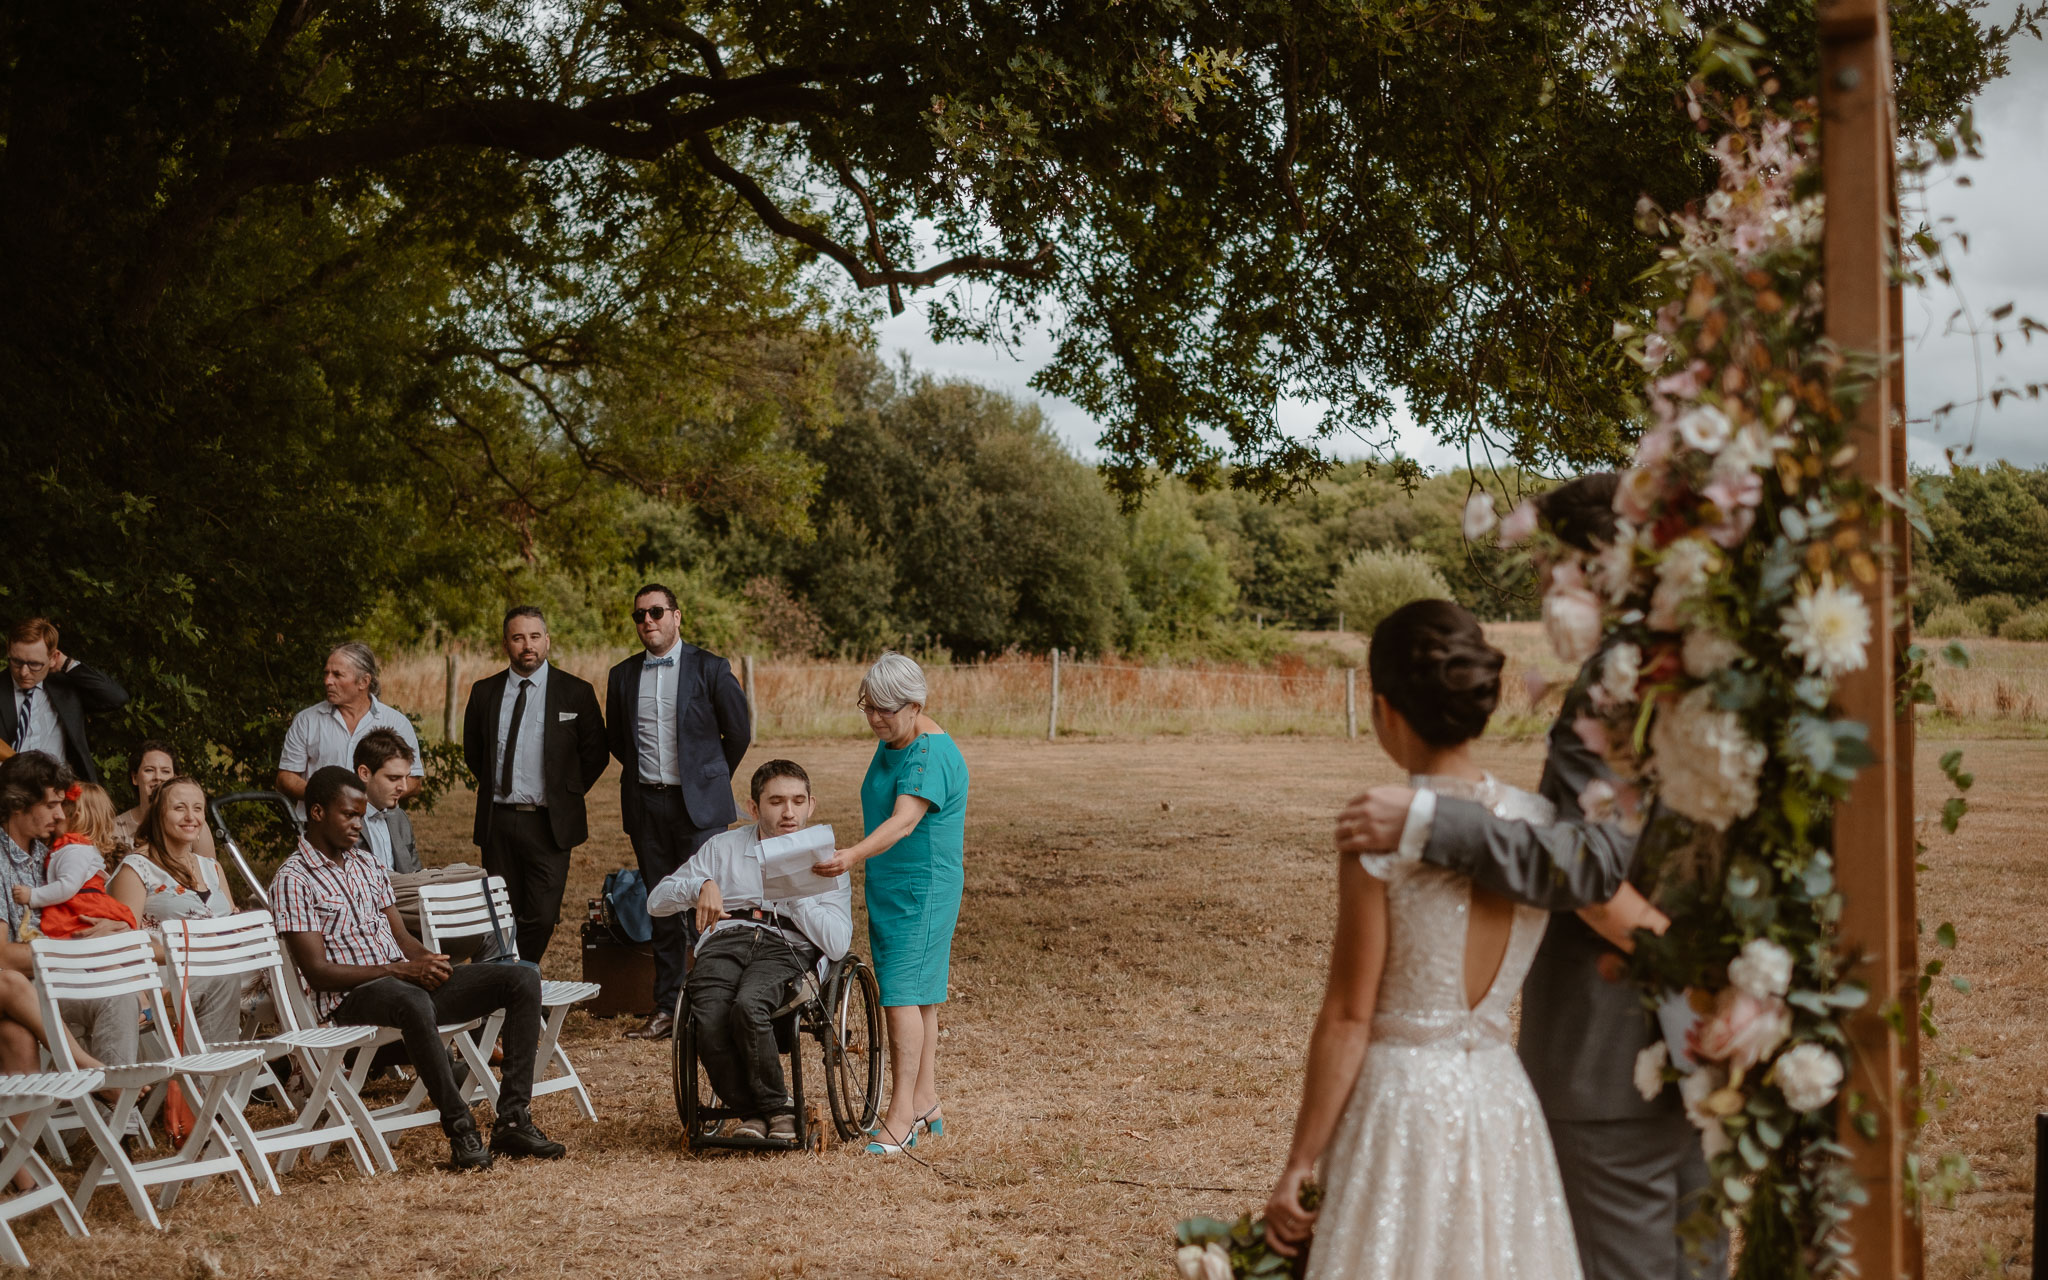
751	949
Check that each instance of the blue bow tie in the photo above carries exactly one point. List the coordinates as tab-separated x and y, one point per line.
669	661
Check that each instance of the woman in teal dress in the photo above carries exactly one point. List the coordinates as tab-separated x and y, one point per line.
914	806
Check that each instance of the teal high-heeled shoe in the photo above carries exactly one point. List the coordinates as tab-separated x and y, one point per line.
932	1126
889	1148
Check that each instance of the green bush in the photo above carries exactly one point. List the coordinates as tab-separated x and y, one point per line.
1951	622
1992	611
1372	584
2031	624
1931	591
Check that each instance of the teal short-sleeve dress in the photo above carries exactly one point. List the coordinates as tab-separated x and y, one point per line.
913	890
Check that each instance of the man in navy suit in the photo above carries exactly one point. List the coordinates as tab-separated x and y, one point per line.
678	725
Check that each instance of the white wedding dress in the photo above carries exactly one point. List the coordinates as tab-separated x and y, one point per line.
1441	1168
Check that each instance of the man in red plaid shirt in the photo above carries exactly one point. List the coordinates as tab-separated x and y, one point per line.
334	909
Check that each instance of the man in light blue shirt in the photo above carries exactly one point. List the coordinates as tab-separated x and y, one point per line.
751	947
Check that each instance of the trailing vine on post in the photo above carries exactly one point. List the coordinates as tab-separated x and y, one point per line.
1723	617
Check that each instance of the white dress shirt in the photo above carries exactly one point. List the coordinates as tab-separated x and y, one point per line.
654	720
732	860
320	737
377	839
527	787
44	733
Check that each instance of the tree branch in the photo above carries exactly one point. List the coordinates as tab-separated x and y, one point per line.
677	29
1034	267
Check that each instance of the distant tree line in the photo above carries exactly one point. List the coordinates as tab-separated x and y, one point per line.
948	516
1984	571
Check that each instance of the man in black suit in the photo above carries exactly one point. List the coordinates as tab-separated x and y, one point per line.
46	705
534	738
679	727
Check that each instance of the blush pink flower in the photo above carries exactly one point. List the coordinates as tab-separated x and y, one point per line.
1520	523
1743	1029
1571	615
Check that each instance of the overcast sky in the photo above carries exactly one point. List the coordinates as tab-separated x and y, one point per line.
2003	210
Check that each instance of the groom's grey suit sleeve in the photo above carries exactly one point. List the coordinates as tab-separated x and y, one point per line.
1569	864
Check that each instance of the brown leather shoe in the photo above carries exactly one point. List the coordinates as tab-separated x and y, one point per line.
659	1027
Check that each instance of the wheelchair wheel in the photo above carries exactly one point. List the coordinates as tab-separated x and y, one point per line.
855	1043
692	1086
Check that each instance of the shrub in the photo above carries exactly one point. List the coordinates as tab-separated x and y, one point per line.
1931	591
1372	584
1992	611
1950	622
2032	624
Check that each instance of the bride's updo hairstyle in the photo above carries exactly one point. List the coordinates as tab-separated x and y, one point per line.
1430	659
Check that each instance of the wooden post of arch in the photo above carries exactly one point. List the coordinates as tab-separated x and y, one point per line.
1874	851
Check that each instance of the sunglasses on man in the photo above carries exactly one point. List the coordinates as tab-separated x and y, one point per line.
656	612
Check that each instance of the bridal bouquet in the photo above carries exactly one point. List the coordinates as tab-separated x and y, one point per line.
1211	1249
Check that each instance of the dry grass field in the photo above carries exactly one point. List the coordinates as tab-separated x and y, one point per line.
1137	966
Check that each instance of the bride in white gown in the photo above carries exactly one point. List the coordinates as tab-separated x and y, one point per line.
1435	1160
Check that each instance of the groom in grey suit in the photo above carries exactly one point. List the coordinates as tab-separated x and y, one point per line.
1631	1168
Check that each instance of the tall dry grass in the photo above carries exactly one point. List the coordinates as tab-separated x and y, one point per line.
1011	695
2004	690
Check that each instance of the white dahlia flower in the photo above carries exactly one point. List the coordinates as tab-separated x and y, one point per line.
1650	1069
1828	626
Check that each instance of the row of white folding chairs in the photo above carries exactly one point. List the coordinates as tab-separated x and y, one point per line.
223	1139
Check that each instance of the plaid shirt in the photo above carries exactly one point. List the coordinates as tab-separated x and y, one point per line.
341	901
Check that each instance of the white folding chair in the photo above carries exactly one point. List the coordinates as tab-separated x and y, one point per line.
26	1105
415	1110
124	964
333	1111
460	910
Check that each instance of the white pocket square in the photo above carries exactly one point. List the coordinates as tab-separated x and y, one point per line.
565	715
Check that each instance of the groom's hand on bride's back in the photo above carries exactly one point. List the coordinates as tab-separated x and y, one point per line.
1372	822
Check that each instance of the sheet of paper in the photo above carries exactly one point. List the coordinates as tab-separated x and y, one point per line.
786	863
1675	1017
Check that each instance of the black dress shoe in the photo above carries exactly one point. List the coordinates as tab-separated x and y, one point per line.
659	1027
516	1135
466	1147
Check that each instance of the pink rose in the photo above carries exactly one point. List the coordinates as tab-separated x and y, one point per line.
1571	615
1521	522
1593	733
1743	1031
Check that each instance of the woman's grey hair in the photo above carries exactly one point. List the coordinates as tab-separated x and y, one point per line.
364	661
894	682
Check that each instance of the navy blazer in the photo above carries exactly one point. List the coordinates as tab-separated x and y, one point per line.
572	747
713	732
72	693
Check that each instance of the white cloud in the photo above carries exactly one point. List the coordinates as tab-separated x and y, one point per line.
2004	212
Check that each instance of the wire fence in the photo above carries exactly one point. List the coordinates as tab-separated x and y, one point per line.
1019	694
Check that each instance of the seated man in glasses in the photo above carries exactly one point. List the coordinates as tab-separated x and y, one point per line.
750	948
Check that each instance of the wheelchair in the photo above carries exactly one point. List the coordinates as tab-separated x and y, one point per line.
833	1027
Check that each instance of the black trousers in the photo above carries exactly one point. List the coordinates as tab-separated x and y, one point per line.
664	842
472	991
520	846
742	975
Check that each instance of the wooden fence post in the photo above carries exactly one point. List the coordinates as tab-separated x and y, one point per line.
1351	702
1872	829
753	703
450	726
1052	719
